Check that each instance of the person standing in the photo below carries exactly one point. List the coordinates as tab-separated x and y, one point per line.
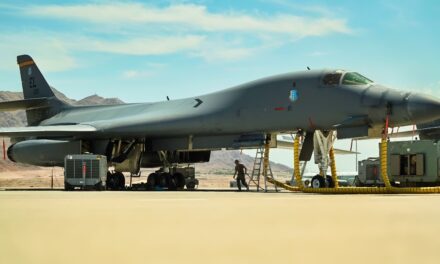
240	171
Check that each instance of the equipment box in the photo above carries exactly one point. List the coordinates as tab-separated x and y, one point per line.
369	173
414	163
85	171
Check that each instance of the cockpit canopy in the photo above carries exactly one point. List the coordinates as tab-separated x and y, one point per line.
345	78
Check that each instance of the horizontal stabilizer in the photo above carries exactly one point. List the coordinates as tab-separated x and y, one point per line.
52	131
25	104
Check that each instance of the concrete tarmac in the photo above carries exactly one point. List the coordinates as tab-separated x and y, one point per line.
217	227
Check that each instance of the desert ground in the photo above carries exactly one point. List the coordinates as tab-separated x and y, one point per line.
41	178
217	227
214	224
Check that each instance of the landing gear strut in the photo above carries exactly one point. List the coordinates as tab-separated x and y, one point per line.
323	149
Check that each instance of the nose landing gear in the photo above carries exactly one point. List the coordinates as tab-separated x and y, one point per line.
324	157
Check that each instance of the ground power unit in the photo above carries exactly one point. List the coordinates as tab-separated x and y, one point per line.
85	172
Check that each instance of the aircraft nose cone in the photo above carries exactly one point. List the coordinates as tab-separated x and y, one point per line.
423	108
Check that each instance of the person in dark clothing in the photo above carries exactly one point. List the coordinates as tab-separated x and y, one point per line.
240	171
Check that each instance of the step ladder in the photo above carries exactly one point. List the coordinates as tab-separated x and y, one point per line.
258	169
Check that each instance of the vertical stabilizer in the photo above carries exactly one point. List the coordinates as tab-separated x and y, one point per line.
35	86
33	82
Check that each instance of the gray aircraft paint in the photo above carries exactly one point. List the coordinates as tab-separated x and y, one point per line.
261	106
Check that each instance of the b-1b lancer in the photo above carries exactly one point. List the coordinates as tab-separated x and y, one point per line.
184	131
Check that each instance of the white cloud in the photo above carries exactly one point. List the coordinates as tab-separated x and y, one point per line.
224	53
156	45
52	52
150	69
141	29
191	16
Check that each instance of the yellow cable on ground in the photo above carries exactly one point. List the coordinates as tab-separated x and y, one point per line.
333	167
283	185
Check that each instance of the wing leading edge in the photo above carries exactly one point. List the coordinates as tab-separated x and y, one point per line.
53	131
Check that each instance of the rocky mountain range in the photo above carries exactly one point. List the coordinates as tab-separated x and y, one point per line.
18	118
221	161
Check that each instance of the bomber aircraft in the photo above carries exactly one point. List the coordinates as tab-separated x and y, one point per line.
183	131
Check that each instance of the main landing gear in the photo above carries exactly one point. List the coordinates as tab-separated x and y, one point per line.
165	180
176	178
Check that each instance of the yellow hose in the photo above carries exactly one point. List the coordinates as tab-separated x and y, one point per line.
266	159
333	168
296	169
351	190
384	163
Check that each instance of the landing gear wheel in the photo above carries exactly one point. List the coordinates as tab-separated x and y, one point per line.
161	180
191	184
120	180
318	182
151	181
111	181
330	182
180	181
115	181
172	182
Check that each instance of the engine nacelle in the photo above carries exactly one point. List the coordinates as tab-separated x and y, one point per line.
43	152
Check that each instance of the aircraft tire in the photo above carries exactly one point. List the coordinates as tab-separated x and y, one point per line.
159	180
191	186
180	180
165	180
172	182
151	180
111	181
330	182
120	180
317	182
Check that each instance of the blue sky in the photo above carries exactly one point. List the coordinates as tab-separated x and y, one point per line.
145	51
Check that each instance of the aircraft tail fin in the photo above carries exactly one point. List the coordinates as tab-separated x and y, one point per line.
35	87
33	82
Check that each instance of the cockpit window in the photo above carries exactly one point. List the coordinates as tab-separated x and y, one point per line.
332	79
354	78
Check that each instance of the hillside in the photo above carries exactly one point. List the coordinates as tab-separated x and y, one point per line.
223	162
18	118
